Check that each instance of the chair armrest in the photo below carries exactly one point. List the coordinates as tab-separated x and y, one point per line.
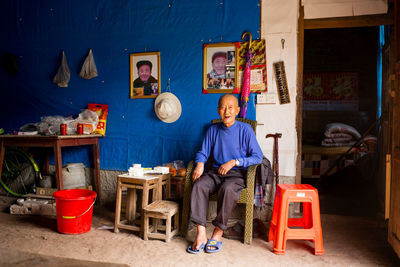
188	177
251	176
187	191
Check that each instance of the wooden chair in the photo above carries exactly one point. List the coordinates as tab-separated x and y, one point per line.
246	196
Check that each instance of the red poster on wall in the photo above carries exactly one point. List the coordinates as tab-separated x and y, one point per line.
330	91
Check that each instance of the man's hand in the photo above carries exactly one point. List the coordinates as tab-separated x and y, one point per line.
226	167
198	171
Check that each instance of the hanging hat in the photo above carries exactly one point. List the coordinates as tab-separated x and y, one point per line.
167	107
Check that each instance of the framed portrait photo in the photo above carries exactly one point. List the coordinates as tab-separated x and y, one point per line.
145	75
219	68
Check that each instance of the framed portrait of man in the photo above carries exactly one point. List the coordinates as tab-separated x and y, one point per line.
219	68
145	75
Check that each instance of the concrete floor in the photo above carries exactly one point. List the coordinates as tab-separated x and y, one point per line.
34	241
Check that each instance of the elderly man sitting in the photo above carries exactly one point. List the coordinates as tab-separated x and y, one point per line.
233	146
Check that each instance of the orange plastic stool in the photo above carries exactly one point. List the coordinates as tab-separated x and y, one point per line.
309	226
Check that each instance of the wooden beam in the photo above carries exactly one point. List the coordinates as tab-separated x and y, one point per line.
299	97
387	187
350	22
397	32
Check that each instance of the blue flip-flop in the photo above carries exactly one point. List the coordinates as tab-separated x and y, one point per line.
214	244
193	251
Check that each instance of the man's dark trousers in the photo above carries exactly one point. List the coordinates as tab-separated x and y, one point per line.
228	188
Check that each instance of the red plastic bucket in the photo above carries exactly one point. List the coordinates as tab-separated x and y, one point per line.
74	210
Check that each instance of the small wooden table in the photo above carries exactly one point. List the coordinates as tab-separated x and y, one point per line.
178	181
145	183
56	142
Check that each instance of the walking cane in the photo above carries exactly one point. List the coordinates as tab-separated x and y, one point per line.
275	156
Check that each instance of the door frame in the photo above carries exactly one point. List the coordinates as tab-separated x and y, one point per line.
324	23
394	215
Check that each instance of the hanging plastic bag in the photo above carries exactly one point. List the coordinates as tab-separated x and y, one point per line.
63	74
50	125
89	69
89	120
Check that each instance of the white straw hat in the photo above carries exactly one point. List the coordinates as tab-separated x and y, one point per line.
167	107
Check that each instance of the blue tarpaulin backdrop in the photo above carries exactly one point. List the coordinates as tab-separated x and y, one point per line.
37	31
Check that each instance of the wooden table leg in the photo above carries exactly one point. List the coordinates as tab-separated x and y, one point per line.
178	188
58	163
118	207
168	190
145	195
156	192
176	220
145	202
131	205
96	160
45	163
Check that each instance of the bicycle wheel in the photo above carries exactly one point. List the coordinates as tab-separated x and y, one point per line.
19	173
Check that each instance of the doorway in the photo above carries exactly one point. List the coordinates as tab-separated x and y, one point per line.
340	104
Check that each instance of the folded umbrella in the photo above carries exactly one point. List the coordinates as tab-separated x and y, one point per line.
244	98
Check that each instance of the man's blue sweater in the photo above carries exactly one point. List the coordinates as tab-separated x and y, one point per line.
227	143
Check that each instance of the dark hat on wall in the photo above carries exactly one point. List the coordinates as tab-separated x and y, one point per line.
218	54
144	62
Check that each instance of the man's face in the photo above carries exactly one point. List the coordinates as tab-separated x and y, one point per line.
219	65
228	109
144	72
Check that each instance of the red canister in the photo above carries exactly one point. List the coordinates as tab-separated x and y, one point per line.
63	129
79	128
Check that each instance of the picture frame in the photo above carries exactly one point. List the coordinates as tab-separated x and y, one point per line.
145	75
220	68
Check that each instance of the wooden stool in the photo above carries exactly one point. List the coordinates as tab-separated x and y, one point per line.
310	223
144	183
161	209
